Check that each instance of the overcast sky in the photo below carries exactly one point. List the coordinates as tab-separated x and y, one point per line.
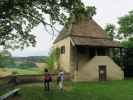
108	11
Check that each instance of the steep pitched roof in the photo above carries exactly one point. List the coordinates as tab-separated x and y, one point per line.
86	27
66	31
86	31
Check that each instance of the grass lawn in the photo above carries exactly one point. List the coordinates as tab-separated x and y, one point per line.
111	90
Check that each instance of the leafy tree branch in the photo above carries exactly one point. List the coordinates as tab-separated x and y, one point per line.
19	17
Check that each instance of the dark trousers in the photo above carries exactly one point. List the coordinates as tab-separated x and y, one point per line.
46	85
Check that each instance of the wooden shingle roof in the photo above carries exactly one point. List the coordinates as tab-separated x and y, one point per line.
86	31
88	28
82	41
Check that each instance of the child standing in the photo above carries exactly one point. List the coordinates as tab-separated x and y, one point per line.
60	80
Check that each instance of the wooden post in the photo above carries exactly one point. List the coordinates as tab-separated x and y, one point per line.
96	51
76	64
111	52
121	58
77	59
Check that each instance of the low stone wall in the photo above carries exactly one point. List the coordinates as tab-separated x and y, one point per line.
21	79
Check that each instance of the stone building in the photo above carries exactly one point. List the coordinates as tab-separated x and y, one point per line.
86	51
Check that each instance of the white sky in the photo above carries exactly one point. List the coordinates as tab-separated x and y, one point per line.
108	11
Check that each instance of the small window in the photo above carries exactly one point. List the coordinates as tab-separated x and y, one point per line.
62	50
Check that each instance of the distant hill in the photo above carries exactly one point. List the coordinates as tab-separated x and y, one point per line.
26	62
23	65
39	59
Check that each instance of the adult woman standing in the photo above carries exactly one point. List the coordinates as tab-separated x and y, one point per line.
47	80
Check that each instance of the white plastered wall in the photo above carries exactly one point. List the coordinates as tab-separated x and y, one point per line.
64	59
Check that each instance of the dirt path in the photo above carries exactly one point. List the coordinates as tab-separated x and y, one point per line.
41	65
4	72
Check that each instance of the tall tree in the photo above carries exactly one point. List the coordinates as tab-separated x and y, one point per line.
128	57
19	17
110	30
126	24
128	43
126	29
53	58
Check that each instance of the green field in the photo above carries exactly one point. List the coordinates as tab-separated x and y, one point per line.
111	90
19	71
27	71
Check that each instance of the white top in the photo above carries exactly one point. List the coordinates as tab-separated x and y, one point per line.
61	74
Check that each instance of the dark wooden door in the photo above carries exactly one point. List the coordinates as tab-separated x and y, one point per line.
102	73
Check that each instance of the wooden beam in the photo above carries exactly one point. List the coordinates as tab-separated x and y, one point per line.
121	57
77	58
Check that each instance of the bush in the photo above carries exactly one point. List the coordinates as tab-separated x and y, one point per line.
53	58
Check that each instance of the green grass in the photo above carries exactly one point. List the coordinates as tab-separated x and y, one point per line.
111	90
26	71
5	91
